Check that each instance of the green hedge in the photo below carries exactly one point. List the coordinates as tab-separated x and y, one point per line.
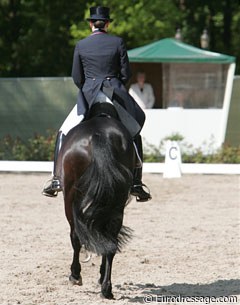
41	148
225	154
37	148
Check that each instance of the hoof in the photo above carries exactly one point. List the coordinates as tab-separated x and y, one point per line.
106	292
75	281
108	296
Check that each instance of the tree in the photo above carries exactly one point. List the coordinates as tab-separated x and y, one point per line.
38	36
137	21
221	18
35	38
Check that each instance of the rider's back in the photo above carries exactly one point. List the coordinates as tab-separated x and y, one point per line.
102	56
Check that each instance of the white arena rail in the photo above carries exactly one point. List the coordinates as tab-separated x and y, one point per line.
158	168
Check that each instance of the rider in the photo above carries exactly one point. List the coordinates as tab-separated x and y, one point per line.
100	70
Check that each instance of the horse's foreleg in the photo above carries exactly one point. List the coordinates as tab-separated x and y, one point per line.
106	287
75	276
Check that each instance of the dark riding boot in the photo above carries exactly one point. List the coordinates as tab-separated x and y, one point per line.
137	188
54	186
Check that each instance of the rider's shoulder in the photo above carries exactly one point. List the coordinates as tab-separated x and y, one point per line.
83	40
115	38
90	39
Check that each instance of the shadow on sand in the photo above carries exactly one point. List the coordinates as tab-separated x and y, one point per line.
216	289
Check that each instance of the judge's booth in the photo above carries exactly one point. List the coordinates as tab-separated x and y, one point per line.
192	89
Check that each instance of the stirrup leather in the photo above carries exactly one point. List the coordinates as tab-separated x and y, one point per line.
139	162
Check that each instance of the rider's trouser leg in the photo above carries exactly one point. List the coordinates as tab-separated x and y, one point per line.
72	120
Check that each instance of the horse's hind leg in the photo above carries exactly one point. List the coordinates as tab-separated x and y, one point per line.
102	269
75	276
106	285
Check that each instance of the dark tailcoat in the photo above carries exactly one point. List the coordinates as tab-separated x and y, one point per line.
101	62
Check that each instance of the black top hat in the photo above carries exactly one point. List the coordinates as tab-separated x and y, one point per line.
99	13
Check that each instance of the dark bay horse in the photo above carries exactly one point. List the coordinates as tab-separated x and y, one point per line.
95	166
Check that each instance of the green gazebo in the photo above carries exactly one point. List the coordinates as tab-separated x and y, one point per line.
180	71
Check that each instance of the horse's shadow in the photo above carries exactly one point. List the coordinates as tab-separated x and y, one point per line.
216	289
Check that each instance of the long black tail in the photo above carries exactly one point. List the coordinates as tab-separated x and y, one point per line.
102	193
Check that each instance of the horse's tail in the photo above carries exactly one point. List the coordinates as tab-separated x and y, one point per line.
102	193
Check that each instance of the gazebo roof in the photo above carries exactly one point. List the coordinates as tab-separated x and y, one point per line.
172	50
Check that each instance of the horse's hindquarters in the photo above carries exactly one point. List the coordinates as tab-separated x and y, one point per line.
97	161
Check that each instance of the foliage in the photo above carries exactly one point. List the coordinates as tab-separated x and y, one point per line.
35	36
135	31
41	148
38	36
220	18
207	154
37	148
225	154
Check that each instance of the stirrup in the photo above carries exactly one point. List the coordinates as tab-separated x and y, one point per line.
141	195
52	187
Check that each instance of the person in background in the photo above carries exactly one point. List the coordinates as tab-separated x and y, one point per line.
142	92
178	100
